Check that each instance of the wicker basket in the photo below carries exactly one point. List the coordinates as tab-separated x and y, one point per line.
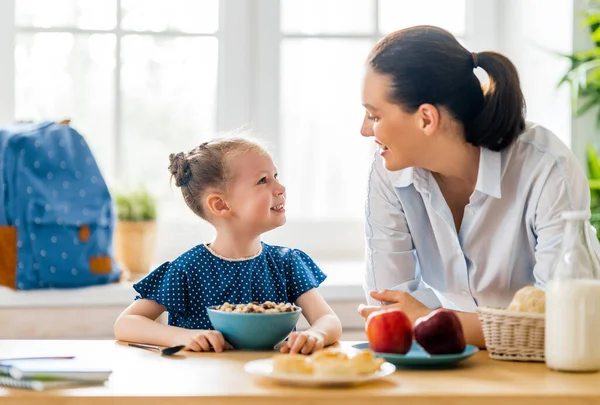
510	335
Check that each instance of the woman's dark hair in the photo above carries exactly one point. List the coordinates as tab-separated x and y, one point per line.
427	65
205	169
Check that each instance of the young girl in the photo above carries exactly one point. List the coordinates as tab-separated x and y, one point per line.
231	183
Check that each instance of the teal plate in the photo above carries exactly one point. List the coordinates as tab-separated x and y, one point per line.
417	357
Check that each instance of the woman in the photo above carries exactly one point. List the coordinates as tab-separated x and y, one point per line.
464	196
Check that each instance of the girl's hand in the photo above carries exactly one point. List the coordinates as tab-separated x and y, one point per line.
413	308
304	342
202	340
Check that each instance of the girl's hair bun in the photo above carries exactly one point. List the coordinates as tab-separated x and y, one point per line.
180	168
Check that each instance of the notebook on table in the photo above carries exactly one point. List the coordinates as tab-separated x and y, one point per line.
36	385
55	369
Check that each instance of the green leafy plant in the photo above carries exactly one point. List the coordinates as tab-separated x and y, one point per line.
593	162
583	76
136	205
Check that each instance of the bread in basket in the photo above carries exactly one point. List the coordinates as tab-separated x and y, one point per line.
516	333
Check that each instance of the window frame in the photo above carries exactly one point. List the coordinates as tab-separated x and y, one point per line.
248	92
332	239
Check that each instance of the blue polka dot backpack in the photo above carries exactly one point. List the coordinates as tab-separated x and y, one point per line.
56	213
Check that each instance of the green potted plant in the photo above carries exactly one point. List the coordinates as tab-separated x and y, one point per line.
584	72
593	162
135	232
583	76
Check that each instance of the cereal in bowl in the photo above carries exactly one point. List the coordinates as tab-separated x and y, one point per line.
267	307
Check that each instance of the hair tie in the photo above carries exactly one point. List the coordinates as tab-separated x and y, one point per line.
474	56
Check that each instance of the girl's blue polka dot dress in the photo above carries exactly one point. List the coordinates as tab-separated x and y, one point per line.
199	278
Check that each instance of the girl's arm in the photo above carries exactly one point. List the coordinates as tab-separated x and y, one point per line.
325	329
138	323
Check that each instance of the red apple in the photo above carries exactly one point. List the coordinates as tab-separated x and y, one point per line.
389	331
440	332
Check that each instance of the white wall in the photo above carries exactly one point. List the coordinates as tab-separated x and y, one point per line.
531	32
7	70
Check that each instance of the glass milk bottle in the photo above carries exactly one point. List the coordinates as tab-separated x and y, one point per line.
572	341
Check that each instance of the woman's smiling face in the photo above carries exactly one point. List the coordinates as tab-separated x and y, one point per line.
396	132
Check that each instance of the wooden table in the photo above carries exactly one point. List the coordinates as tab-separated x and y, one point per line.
144	377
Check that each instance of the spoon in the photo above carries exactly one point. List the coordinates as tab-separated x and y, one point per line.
167	351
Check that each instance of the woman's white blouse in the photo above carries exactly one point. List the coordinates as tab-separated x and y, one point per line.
510	234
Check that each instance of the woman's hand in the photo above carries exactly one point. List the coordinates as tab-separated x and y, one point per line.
414	310
201	340
304	342
412	307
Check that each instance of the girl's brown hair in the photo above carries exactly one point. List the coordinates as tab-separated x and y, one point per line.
204	169
427	65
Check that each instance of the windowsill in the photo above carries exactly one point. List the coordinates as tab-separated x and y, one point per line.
344	283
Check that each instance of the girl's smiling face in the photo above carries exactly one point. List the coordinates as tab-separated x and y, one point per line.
256	198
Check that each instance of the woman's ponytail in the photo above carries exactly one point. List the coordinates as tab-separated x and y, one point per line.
502	117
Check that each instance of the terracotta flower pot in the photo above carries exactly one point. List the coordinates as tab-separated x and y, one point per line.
135	246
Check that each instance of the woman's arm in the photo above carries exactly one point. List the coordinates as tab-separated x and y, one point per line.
391	258
414	309
565	189
471	326
325	329
137	323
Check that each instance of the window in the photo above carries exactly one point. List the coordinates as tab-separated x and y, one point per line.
144	78
138	78
317	49
324	45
